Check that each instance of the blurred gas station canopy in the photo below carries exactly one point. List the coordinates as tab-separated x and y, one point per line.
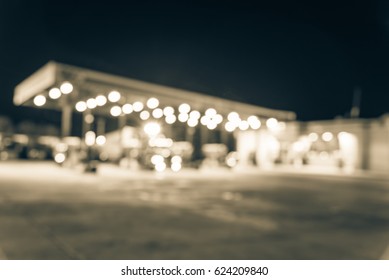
56	85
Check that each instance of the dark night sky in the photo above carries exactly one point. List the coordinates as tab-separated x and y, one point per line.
307	57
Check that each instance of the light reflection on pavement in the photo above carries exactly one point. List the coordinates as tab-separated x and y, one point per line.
52	213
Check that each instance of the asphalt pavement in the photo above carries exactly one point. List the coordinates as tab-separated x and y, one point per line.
48	212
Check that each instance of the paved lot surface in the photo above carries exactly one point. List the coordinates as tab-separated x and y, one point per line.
51	213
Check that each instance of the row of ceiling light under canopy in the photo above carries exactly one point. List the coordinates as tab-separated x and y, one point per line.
211	118
54	93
